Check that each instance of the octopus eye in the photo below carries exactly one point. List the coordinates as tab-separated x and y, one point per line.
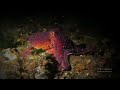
52	33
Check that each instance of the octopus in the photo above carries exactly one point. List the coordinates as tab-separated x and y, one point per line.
56	43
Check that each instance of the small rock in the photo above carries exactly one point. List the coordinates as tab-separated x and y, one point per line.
88	61
40	76
79	67
8	54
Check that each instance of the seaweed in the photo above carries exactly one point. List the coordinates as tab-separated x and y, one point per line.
37	51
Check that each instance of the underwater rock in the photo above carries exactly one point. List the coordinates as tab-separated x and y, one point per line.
40	73
3	75
10	69
79	63
8	54
83	66
66	75
40	76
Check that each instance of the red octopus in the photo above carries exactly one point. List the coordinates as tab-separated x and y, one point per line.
54	42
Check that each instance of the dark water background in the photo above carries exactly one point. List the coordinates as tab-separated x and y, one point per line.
96	22
91	20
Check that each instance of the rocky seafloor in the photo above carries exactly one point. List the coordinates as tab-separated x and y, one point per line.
40	65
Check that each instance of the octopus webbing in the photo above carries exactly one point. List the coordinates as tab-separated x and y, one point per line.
54	42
